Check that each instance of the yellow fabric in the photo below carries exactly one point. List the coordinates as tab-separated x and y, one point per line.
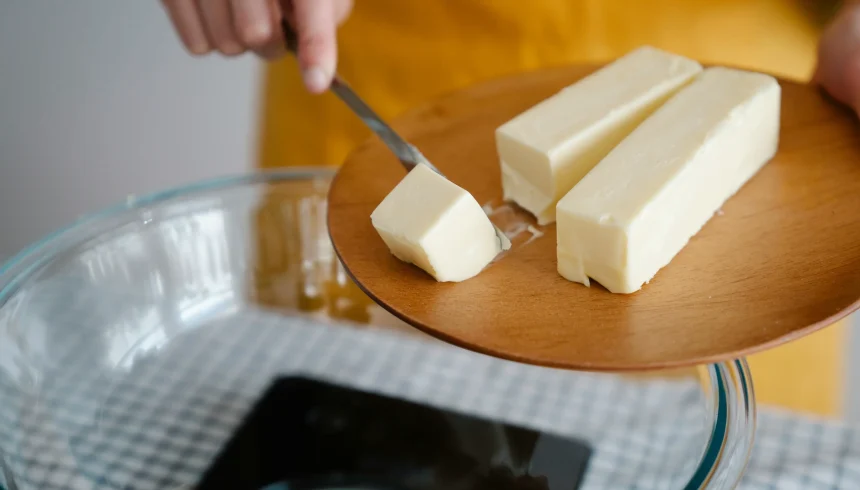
400	53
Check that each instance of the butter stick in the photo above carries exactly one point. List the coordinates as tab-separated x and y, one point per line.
638	208
548	148
429	221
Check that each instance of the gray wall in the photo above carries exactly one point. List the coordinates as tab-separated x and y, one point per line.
100	89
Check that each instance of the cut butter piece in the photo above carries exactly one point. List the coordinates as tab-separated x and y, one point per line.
429	221
641	204
548	148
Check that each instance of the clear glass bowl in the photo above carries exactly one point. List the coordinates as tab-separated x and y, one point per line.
134	342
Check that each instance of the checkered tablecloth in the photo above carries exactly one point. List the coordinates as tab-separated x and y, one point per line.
155	420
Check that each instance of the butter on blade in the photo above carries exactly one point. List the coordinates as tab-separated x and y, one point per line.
640	205
547	149
431	222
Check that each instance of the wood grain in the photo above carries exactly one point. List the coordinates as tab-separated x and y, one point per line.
782	260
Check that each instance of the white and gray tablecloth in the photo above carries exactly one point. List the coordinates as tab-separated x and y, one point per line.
158	419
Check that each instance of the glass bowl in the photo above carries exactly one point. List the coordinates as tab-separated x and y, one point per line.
133	343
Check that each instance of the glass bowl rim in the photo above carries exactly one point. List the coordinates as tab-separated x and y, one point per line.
732	393
20	264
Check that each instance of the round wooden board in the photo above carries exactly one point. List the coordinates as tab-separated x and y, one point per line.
780	261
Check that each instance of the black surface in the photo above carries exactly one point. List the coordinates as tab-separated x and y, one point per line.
305	434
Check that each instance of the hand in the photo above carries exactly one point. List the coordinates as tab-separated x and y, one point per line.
235	26
838	70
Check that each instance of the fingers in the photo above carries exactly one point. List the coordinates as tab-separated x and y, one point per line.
273	47
255	24
316	27
230	26
218	18
838	67
188	24
235	26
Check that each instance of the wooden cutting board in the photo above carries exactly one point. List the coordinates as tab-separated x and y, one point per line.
780	260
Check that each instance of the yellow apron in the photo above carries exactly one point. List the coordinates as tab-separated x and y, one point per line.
400	53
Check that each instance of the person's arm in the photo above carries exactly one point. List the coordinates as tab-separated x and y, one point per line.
233	27
838	69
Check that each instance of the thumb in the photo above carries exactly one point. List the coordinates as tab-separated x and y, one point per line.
316	27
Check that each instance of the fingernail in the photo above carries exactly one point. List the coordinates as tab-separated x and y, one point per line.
200	49
315	79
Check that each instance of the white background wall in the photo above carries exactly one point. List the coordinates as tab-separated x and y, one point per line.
101	89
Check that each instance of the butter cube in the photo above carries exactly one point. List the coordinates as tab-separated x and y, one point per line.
429	221
640	205
547	149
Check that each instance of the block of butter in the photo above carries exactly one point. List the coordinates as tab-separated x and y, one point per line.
429	221
641	204
547	149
